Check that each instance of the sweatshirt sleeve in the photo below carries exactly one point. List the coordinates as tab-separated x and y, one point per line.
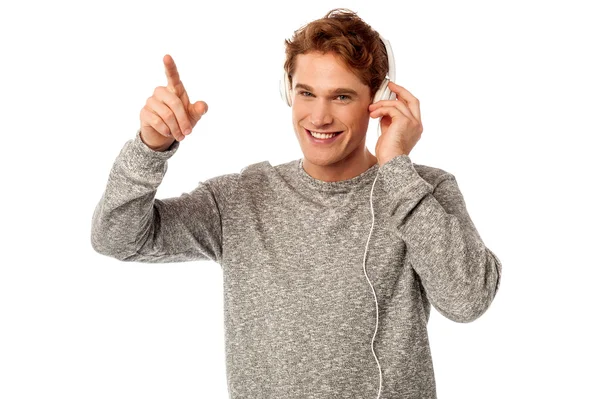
460	275
129	224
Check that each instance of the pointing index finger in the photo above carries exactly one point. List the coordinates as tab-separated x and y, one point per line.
173	79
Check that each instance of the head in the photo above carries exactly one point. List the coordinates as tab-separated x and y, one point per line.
335	66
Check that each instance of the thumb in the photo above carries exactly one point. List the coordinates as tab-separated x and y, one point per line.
196	111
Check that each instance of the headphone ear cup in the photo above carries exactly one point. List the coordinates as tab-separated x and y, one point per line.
284	89
389	95
383	91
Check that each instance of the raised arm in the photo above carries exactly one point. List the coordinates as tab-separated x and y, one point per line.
128	222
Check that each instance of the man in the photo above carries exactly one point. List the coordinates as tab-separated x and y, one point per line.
331	263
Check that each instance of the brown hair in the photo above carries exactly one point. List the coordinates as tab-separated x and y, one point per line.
342	32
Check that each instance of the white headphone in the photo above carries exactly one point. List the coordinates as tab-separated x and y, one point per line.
383	93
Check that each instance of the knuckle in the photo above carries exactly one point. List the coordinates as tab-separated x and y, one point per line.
168	100
155	120
172	101
167	116
147	115
162	93
172	89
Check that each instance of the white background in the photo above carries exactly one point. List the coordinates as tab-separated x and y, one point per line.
509	96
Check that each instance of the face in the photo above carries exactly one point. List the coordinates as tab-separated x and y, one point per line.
328	98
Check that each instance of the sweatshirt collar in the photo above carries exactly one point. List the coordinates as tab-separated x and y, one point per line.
337	186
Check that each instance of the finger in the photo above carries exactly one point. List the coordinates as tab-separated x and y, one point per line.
179	108
173	80
412	101
395	114
197	109
385	111
399	105
167	115
153	120
385	103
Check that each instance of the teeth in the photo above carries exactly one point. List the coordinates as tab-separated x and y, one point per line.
321	135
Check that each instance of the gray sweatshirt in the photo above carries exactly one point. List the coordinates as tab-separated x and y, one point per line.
299	312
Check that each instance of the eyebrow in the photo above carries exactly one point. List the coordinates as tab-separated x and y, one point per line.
334	91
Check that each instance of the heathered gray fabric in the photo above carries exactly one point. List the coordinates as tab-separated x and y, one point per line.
299	311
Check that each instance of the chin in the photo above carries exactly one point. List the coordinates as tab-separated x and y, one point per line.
323	160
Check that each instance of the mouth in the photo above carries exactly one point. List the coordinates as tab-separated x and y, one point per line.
322	137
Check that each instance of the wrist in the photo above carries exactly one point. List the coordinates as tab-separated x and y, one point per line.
160	148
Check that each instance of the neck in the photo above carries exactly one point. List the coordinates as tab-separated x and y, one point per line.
342	170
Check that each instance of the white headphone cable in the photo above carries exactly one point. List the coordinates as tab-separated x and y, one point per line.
365	270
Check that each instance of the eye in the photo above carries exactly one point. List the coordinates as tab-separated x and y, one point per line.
305	94
344	97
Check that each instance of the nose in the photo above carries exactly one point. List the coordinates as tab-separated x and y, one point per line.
320	114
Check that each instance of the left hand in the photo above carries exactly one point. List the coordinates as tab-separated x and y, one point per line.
401	125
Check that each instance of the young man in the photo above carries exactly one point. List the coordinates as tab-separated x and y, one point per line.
331	262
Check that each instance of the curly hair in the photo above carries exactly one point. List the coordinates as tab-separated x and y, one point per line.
342	32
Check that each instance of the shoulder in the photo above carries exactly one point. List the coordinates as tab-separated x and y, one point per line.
265	171
266	167
256	169
431	174
253	171
254	177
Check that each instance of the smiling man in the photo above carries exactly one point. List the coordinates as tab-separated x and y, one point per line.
331	117
331	263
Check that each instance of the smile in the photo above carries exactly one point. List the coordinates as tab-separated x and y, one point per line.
322	137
